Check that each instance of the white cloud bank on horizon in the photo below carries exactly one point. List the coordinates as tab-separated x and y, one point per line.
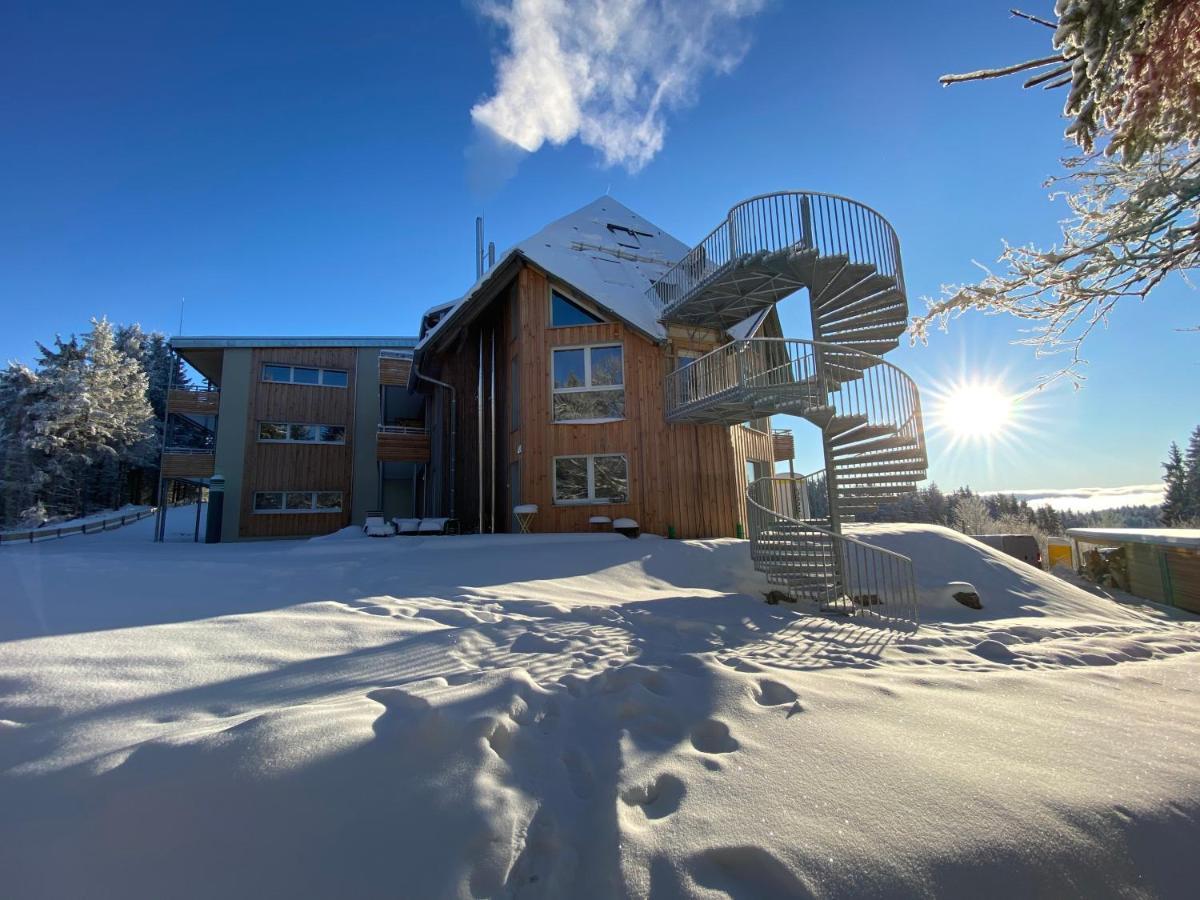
1091	499
606	71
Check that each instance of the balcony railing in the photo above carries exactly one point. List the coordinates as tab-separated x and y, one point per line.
788	220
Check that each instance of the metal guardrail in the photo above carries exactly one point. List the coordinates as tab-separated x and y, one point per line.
787	220
841	573
403	429
395	354
196	388
35	535
205	451
786	371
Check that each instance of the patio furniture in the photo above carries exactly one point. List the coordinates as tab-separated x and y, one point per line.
525	513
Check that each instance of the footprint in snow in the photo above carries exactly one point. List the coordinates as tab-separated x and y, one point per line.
773	693
712	736
657	799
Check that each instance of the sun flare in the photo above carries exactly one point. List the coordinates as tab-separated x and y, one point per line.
976	411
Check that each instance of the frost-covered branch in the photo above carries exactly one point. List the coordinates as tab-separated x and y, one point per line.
1131	225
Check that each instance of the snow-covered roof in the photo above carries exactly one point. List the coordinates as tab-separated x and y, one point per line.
606	252
229	342
1170	537
611	254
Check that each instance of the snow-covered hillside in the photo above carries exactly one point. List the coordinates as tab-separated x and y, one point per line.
577	716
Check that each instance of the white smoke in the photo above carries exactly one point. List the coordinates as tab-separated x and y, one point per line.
606	71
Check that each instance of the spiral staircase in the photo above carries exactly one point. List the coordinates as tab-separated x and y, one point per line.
868	410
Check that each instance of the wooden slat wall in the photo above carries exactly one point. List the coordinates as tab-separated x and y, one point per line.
402	447
680	476
749	444
203	403
187	465
393	370
1145	572
783	444
300	467
1184	566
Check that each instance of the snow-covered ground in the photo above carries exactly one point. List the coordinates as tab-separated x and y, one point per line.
577	716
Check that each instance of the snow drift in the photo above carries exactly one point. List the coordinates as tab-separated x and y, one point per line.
578	715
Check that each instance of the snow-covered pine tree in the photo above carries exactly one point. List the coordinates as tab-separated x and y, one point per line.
1191	478
1174	508
16	493
119	415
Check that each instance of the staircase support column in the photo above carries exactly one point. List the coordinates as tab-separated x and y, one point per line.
831	485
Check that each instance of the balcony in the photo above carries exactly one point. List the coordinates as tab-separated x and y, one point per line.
394	366
188	462
783	445
194	401
402	443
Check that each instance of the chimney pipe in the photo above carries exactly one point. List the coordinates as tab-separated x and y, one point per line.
491	254
478	247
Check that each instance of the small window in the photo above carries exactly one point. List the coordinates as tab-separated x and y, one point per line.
304	375
268	501
333	378
297	501
600	478
566	312
301	433
329	501
588	383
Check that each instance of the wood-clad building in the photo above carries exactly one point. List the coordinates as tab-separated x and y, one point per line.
1160	564
559	393
544	385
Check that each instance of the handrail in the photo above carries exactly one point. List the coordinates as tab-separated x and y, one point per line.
38	534
196	388
395	354
403	429
830	224
788	367
868	576
200	450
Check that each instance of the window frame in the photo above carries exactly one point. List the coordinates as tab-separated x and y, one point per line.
320	370
313	509
287	429
587	387
572	301
591	499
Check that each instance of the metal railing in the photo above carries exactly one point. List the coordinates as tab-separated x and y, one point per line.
196	388
396	354
203	451
46	532
402	429
787	372
840	573
787	220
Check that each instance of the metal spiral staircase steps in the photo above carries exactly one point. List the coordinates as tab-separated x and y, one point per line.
868	411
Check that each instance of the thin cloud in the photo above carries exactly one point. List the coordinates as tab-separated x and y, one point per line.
1092	499
606	72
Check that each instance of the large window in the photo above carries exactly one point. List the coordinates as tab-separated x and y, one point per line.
568	312
589	384
297	501
601	478
299	433
304	375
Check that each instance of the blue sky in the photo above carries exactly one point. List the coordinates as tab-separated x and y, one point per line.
302	168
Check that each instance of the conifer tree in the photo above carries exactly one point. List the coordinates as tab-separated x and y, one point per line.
1191	478
1174	508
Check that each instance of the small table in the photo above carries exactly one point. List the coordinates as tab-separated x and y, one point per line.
525	513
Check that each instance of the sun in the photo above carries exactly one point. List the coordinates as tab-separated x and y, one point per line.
975	411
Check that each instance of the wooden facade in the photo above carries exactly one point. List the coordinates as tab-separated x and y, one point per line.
187	465
689	480
298	467
394	369
402	447
197	403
